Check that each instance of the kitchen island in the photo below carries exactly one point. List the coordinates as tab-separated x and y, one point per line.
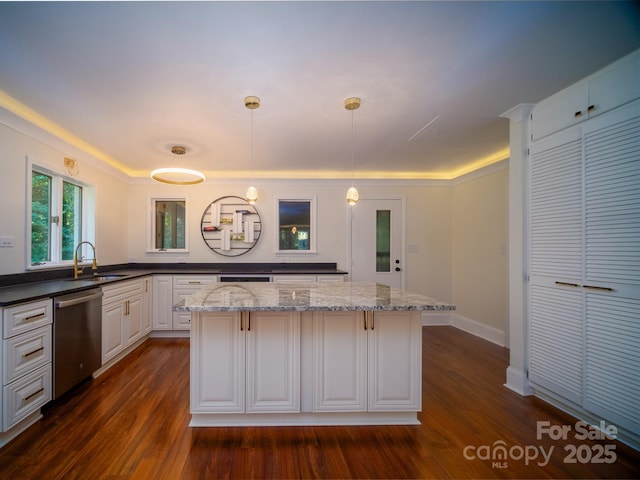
338	353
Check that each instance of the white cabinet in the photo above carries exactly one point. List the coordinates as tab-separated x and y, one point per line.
364	361
610	88
26	357
293	278
147	305
162	315
183	287
122	322
171	289
245	363
339	361
585	266
307	278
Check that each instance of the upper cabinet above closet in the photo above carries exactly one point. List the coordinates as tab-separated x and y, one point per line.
614	86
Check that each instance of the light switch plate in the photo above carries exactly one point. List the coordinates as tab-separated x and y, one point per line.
6	242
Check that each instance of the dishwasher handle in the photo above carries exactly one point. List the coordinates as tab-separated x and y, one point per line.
62	303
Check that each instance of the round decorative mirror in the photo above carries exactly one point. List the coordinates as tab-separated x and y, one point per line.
231	226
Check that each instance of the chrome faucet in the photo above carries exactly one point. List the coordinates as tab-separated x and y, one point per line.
78	271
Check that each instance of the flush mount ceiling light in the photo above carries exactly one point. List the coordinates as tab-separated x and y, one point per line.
352	103
178	175
252	103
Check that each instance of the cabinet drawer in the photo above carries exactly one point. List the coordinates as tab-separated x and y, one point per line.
122	290
293	278
25	396
330	278
181	281
26	352
27	316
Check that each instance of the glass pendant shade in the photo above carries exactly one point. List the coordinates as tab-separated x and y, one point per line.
352	196
252	195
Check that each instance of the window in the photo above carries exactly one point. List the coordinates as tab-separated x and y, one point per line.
296	225
58	211
168	225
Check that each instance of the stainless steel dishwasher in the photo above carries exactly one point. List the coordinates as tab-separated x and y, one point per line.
77	338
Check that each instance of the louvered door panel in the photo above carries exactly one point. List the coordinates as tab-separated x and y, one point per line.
612	387
612	204
556	340
556	208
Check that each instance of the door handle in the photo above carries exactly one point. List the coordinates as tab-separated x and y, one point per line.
398	269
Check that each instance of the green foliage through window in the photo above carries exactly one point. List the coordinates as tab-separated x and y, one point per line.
40	218
56	218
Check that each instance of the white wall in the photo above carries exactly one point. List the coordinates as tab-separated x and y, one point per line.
111	200
479	242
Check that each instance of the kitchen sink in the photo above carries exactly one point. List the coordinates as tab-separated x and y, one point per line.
99	278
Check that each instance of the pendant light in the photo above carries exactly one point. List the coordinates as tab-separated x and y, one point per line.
352	103
177	175
252	103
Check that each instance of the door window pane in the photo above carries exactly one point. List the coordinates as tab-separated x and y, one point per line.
40	217
383	240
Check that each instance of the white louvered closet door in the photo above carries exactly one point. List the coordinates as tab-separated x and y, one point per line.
612	267
556	259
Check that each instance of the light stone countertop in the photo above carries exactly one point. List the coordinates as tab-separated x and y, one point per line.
283	296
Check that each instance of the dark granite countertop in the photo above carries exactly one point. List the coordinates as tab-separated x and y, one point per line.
50	283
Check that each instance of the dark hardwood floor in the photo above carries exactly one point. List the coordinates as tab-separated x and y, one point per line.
132	423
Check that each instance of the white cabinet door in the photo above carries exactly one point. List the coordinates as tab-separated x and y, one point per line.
555	218
217	363
395	361
612	266
556	256
147	306
562	110
273	362
612	201
234	353
339	362
162	302
615	86
112	330
367	362
612	384
133	319
556	340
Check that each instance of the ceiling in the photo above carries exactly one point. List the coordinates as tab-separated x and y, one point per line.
123	82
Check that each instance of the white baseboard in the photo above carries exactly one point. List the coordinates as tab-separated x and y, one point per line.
518	382
492	334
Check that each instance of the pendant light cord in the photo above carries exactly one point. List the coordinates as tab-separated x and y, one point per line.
352	148
251	166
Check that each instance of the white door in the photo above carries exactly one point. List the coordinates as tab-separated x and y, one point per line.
376	241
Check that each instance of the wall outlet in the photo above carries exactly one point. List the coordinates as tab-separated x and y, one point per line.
7	242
